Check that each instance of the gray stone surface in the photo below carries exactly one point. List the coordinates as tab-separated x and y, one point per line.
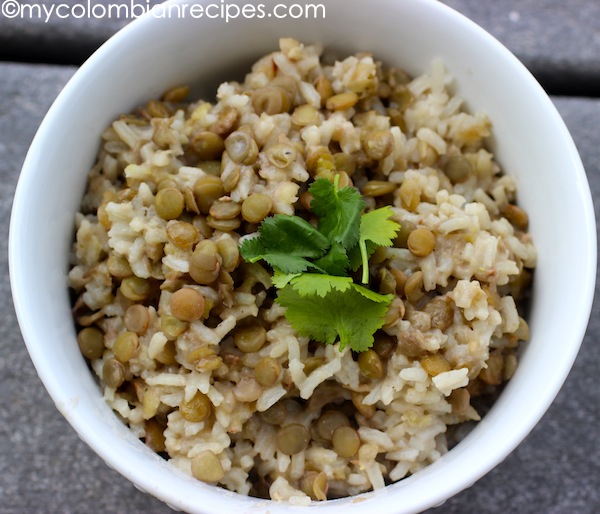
45	468
559	41
39	31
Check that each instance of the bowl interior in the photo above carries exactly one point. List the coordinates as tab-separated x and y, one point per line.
152	54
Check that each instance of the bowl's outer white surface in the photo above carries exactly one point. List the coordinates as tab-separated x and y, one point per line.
152	54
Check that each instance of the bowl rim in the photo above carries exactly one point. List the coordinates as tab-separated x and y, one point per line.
85	431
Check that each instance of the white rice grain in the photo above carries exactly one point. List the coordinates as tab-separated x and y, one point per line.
447	381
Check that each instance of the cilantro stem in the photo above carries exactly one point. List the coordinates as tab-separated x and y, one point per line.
336	182
362	244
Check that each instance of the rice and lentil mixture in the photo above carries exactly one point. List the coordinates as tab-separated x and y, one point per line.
188	343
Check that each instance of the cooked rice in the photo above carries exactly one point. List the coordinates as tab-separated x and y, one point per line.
464	310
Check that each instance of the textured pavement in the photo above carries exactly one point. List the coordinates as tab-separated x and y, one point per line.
45	468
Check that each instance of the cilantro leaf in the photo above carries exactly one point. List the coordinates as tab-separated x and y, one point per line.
376	229
338	212
325	304
286	243
372	295
335	261
347	315
280	280
317	284
294	235
253	250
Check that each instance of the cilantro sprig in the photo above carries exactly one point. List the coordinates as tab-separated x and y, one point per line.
312	265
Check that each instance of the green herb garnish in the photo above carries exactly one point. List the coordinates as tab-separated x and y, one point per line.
311	265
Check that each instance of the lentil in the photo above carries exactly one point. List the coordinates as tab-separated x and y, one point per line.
125	346
421	242
187	304
91	342
292	439
207	145
267	371
370	365
250	339
182	234
197	409
345	441
207	467
113	373
135	288
330	421
256	207
207	189
458	168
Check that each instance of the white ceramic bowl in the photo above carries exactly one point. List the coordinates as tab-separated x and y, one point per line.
152	54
